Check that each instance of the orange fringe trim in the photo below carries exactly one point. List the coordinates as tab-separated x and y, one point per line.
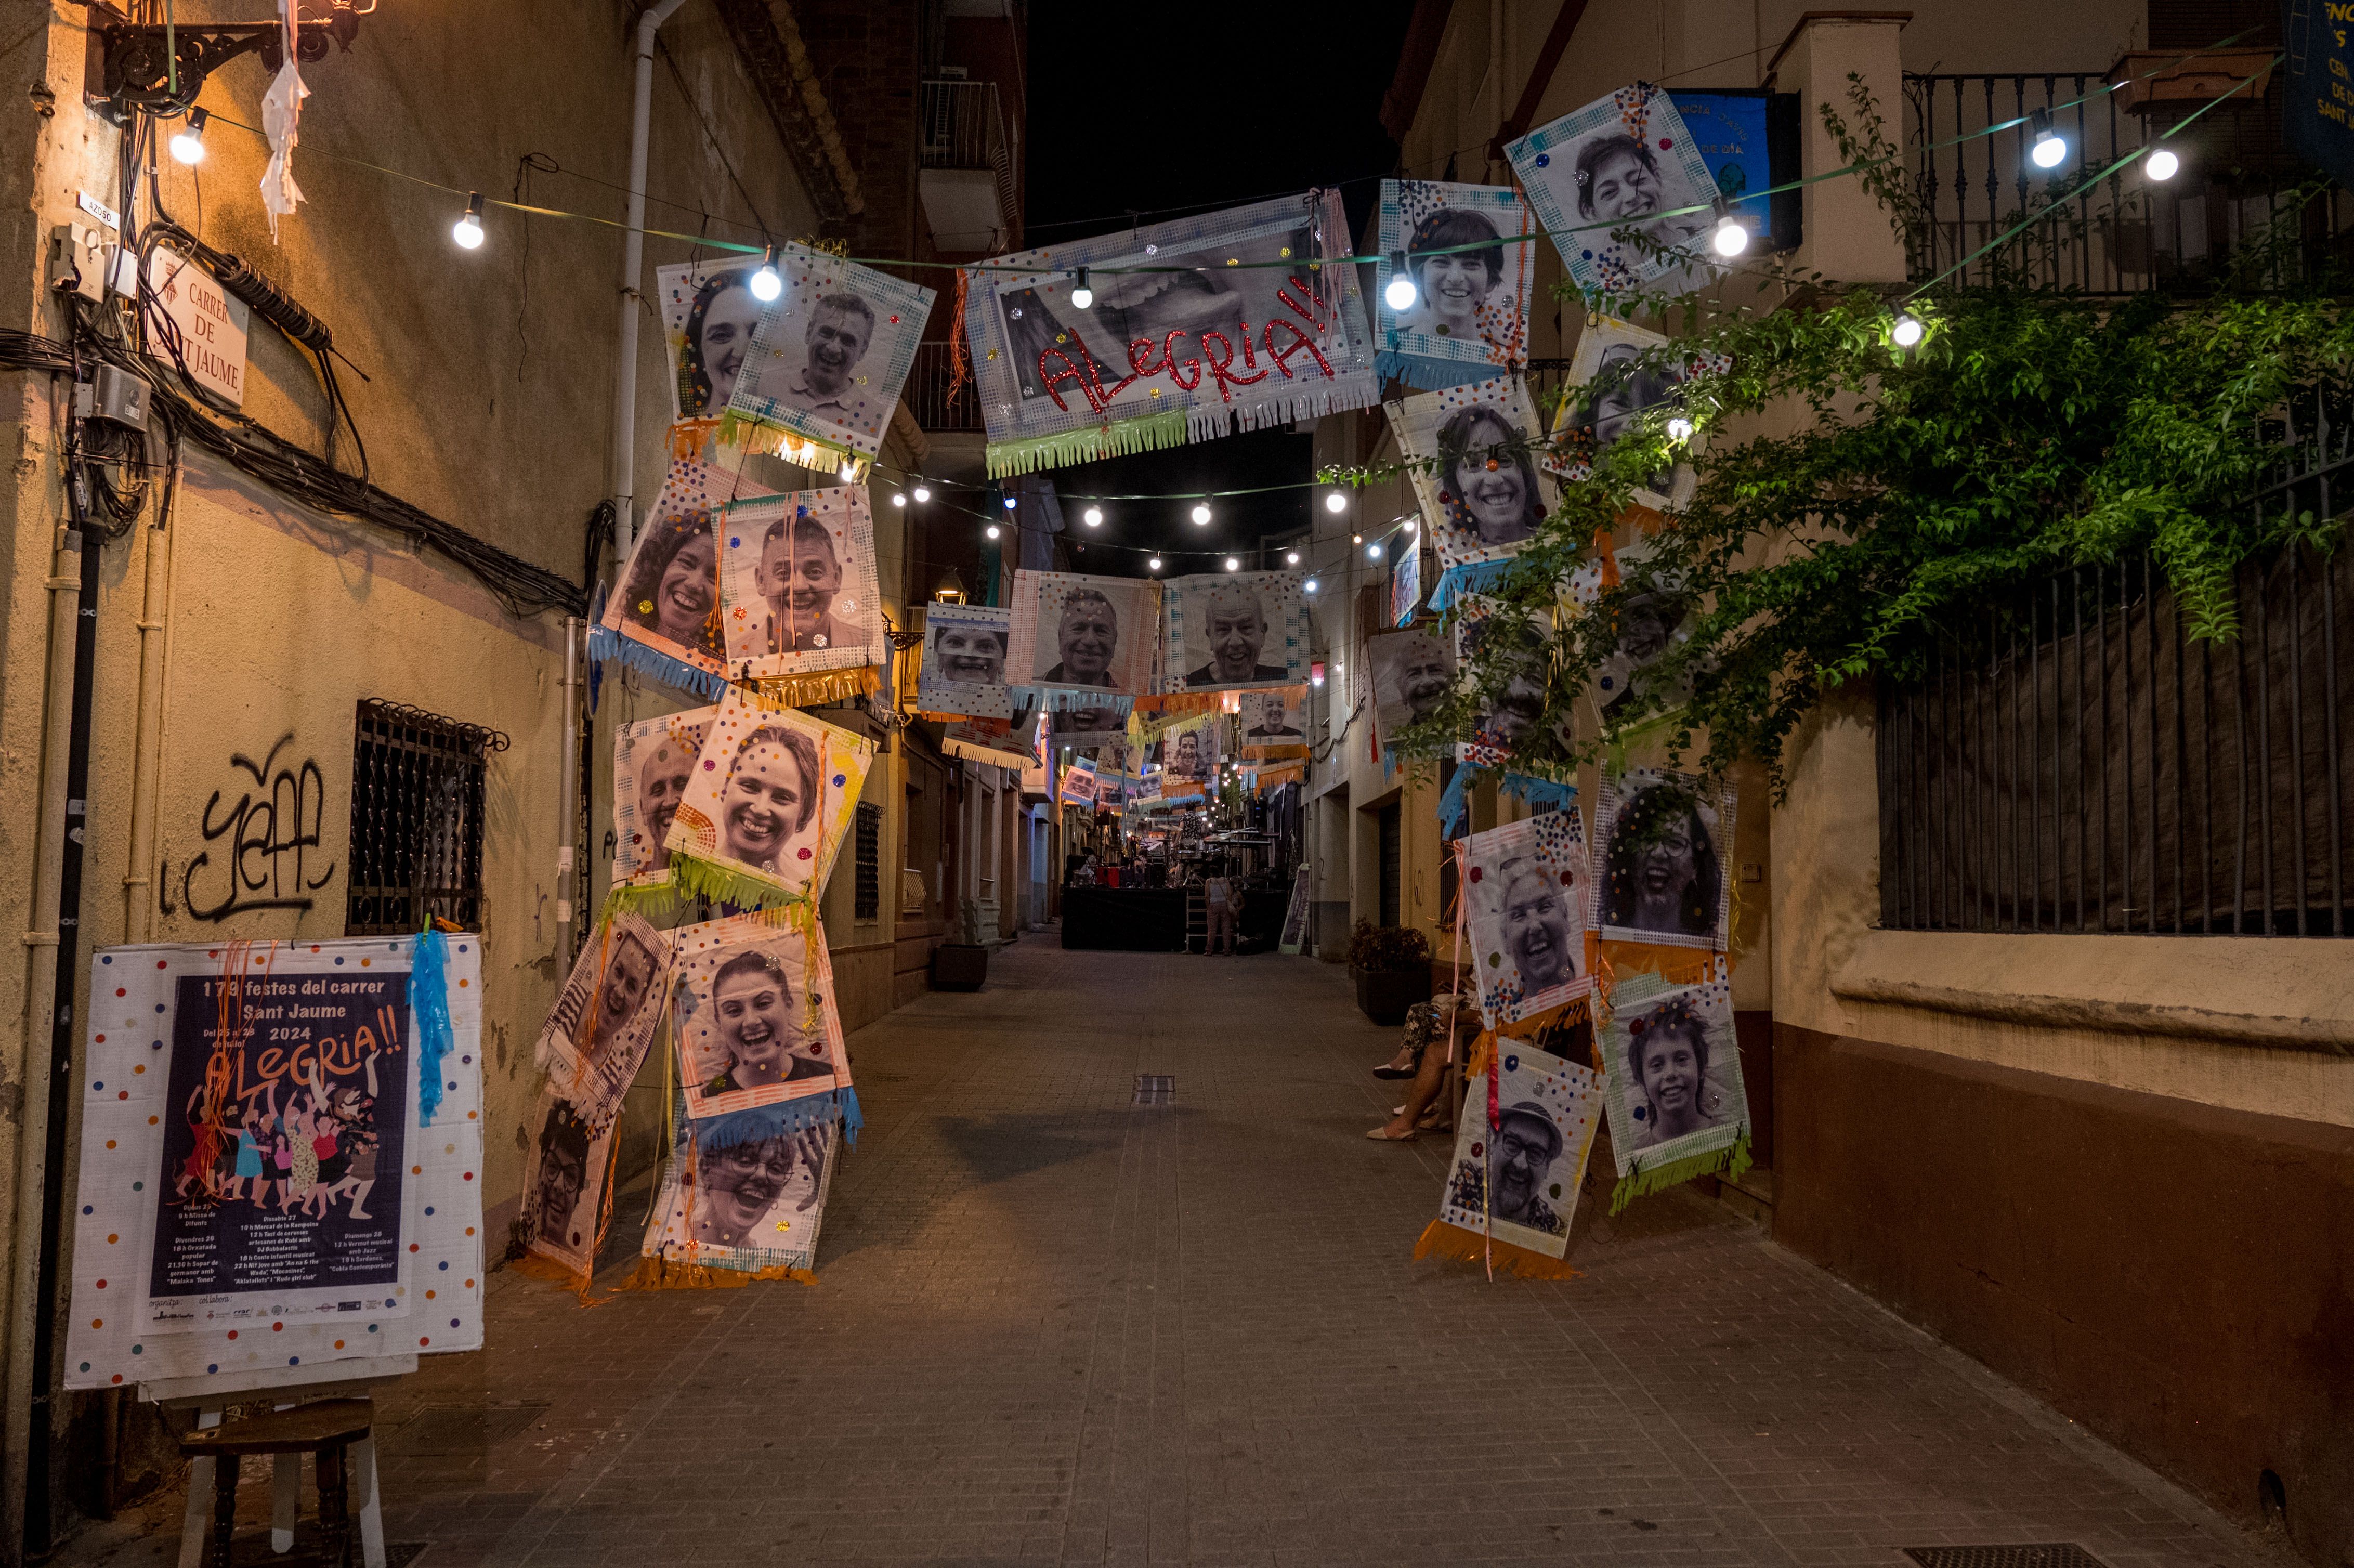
777	693
1440	1239
539	1266
671	1274
690	437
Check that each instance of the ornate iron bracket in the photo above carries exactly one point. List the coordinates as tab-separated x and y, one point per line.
131	63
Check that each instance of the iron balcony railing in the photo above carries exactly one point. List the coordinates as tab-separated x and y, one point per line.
933	395
2125	233
965	128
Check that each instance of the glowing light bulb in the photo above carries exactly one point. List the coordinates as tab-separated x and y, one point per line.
1201	513
467	230
1680	430
189	141
1732	237
1093	516
1153	565
848	471
898	500
1291	557
1082	296
2161	165
922	492
992	531
2050	147
1356	538
1906	332
1309	587
1372	552
766	284
1233	565
1336	500
1011	501
1399	295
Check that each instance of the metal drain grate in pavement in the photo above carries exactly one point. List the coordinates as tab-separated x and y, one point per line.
1155	1088
2046	1554
401	1553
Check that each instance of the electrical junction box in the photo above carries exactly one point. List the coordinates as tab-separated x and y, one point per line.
79	251
119	397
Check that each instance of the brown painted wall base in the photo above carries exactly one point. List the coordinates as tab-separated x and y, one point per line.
2177	1278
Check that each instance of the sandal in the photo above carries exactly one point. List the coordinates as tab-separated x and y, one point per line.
1383	1135
1387	1071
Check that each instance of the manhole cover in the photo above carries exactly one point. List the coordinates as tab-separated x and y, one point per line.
449	1431
2045	1555
1155	1088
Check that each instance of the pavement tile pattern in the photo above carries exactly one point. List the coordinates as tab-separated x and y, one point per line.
1053	1326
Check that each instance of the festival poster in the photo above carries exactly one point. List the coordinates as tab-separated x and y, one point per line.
1470	313
259	1177
773	796
1231	630
653	760
1622	188
829	358
1236	319
797	586
1477	479
754	1016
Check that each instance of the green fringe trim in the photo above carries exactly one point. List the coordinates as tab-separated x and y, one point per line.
1146	433
1615	755
719	884
652	900
1730	1160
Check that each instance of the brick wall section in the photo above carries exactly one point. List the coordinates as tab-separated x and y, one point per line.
869	64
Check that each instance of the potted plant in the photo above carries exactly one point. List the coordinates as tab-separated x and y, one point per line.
962	964
1391	966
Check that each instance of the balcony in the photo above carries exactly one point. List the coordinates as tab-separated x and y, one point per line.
934	397
965	166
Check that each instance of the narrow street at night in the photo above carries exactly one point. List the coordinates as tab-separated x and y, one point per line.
1051	1326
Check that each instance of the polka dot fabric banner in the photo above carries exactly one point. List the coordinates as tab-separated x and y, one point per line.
256	1190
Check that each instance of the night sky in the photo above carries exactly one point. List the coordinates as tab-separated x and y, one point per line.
1194	108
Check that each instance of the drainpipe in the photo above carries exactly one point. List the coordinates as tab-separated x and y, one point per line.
634	258
570	884
139	900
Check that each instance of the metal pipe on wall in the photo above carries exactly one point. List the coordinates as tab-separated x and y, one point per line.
634	258
569	880
139	901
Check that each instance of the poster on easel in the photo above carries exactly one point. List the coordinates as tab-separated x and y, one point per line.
281	1158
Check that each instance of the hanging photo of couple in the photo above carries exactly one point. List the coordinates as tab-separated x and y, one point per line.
1470	312
1235	629
797	583
1667	839
771	797
754	1016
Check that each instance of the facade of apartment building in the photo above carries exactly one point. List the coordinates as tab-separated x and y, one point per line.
301	722
2117	1168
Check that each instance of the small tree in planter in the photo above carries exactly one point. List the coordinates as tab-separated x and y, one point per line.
1390	965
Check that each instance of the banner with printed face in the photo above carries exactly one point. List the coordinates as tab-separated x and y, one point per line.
596	1035
1079	784
745	1192
773	795
1084	642
965	647
1620	373
708	313
1234	320
1666	839
260	1179
1189	756
1470	313
754	1016
1275	723
829	357
1510	724
1675	1072
653	761
669	597
1525	897
1655	620
1412	672
1603	179
797	586
1519	1179
1486	494
564	1181
1227	630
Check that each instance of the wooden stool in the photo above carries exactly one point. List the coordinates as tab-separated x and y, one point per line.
324	1429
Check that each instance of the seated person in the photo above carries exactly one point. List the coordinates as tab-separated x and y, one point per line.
1430	1027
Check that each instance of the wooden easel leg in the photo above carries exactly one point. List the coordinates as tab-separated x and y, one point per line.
225	1468
285	1501
200	1487
371	1510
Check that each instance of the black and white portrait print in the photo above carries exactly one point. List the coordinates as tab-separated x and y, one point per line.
1414	670
1666	838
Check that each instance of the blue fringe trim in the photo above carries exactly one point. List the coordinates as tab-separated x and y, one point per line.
605	643
1431	375
1474	577
781	1119
1455	803
1542	794
429	1010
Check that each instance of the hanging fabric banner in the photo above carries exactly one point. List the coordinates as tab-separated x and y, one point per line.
1084	642
1226	629
1520	1150
742	1199
708	313
827	361
1619	372
664	616
797	591
1470	313
1079	784
1488	495
1677	1106
1233	320
999	742
653	761
772	800
1275	723
596	1035
1525	900
754	1018
1189	756
1413	671
964	660
1609	170
1665	839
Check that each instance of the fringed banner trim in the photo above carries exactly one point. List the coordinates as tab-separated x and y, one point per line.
678	1274
690	437
1642	1182
1146	433
722	885
1456	1245
1454	801
781	1119
761	439
648	900
428	1006
1070	699
607	645
819	686
1469	577
539	1266
1435	375
1541	794
975	752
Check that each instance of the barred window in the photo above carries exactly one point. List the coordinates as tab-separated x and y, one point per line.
868	900
416	820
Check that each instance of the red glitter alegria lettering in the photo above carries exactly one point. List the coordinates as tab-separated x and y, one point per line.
1167	363
1086	372
1224	355
1299	340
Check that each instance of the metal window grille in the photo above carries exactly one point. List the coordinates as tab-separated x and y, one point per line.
2079	764
867	902
2123	234
416	820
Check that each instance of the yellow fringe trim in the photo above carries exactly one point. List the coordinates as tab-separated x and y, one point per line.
1440	1239
671	1273
779	692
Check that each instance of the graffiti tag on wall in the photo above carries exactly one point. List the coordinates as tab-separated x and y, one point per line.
266	841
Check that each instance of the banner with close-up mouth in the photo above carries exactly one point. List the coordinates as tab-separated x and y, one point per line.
1199	327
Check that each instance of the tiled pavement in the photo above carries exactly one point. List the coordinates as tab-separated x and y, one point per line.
1050	1327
